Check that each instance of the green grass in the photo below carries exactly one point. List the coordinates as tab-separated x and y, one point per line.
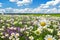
35	14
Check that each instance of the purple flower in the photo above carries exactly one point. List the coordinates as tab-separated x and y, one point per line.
14	30
11	30
18	29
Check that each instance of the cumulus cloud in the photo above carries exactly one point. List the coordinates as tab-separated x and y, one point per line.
0	4
2	10
49	7
13	0
53	3
29	10
21	3
24	2
11	10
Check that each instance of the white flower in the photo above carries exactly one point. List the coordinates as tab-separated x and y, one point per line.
2	36
12	19
31	27
8	27
58	39
1	33
50	30
49	37
17	34
22	29
34	23
48	15
7	20
58	33
8	24
11	28
1	29
10	37
6	35
2	20
28	22
12	34
43	23
38	31
13	38
54	21
55	26
25	25
3	26
27	33
20	22
17	38
14	28
15	22
31	37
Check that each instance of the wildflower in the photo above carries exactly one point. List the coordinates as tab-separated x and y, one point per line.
58	33
43	23
17	34
38	31
2	36
31	37
49	37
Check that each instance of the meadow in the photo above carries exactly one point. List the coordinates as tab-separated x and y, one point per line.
30	27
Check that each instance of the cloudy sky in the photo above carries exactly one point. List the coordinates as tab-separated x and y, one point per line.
29	6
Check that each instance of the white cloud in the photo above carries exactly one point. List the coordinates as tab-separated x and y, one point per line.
2	10
58	10
53	3
43	8
53	10
24	2
13	0
21	3
0	4
11	10
29	10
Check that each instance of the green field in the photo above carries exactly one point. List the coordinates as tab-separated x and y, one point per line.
52	14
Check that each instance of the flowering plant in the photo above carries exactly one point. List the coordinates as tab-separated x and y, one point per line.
25	27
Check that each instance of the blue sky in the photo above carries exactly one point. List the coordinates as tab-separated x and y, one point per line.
35	3
30	6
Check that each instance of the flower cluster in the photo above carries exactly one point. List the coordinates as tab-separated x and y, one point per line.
29	27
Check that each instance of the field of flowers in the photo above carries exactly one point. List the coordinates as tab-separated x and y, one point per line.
29	27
